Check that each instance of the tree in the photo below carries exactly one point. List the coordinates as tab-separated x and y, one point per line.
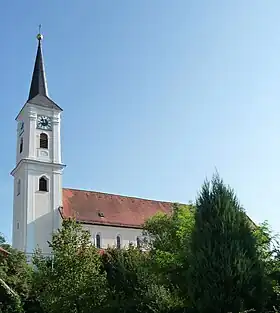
226	274
71	281
132	284
170	242
269	252
2	239
15	279
9	300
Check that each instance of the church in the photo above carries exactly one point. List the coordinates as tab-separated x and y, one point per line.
40	201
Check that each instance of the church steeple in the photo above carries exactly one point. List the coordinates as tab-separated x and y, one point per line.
38	171
39	83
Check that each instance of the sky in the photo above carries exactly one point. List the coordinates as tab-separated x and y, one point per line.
157	95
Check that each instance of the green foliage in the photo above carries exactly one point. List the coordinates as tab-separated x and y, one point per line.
269	252
9	301
2	239
133	286
265	240
170	241
15	279
225	273
199	259
169	231
70	281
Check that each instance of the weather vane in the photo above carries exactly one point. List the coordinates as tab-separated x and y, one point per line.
40	36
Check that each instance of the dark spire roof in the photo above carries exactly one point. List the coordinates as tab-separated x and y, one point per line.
39	82
38	93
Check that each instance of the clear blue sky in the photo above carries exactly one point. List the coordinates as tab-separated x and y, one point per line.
156	94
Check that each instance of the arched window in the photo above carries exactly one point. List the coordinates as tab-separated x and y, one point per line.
118	242
138	242
43	184
44	142
21	145
98	241
18	187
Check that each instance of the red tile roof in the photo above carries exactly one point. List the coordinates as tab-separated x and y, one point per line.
107	209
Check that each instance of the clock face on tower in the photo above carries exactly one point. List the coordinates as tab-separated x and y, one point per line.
44	122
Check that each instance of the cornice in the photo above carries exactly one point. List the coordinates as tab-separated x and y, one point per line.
57	166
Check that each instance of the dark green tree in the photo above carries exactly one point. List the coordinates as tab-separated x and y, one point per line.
15	279
226	273
132	284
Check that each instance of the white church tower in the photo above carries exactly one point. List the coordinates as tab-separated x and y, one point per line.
38	171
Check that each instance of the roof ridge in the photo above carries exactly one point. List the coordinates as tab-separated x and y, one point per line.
118	195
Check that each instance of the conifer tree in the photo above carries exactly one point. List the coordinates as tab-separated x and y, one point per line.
226	274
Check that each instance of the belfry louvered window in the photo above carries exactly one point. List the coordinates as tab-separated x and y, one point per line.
44	141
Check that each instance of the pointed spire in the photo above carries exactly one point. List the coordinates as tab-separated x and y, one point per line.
39	82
